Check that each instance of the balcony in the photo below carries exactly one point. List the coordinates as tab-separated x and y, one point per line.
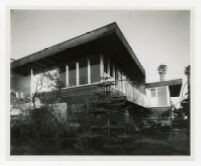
124	89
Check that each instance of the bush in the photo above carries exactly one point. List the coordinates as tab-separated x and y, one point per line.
39	129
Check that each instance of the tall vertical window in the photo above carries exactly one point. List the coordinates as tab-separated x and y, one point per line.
111	69
105	65
95	68
72	73
116	73
116	77
62	75
83	76
120	76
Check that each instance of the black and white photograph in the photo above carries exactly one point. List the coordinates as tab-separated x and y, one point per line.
105	82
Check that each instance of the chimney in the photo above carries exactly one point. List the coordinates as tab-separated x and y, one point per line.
162	71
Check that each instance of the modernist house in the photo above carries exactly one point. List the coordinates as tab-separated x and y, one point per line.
83	62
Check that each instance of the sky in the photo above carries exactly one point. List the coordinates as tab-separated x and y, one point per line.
156	36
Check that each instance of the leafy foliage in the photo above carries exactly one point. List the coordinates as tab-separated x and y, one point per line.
37	126
162	68
182	115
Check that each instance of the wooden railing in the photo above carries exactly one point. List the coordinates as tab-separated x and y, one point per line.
131	93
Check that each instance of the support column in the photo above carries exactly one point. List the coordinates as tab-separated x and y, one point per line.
113	71
67	75
108	68
89	71
101	67
32	83
77	73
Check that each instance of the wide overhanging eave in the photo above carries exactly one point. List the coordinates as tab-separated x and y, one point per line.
50	57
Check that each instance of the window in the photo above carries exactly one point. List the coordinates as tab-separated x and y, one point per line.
95	68
72	73
111	69
116	73
83	76
105	65
120	76
62	75
88	71
153	92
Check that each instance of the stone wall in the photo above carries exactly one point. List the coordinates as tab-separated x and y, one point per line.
60	111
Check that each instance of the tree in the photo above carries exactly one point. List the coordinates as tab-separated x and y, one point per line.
183	114
187	73
112	105
162	68
44	82
185	104
162	71
38	124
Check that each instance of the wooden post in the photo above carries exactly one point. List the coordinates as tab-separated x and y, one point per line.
67	75
32	83
77	73
108	67
101	67
89	71
113	70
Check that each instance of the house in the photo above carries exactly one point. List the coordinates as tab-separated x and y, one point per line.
162	93
83	64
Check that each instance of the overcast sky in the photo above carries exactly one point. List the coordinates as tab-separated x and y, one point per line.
156	37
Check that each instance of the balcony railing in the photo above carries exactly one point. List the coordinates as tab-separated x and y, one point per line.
131	93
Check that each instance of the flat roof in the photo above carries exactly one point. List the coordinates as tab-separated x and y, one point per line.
164	83
173	85
77	41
